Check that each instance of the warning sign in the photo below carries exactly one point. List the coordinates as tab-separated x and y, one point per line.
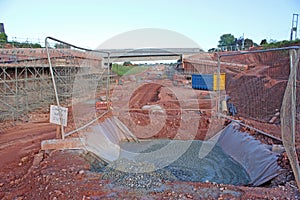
58	115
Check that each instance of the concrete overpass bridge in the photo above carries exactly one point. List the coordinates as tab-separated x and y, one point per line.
149	54
38	57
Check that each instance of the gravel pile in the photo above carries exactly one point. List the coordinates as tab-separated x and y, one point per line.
138	173
118	173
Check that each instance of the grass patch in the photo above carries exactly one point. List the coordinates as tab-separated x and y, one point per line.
128	70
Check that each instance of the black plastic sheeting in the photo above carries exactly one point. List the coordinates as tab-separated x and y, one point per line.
259	162
231	156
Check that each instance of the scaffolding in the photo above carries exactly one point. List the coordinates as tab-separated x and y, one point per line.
26	83
80	86
294	27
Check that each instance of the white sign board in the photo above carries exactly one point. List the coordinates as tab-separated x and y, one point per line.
56	112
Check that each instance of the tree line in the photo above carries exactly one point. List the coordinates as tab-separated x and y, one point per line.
4	41
228	42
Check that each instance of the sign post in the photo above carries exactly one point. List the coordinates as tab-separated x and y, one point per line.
59	116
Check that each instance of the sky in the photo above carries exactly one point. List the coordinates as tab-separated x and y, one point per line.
91	23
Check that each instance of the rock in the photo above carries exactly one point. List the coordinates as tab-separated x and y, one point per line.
58	192
273	119
278	148
71	169
24	159
154	108
37	159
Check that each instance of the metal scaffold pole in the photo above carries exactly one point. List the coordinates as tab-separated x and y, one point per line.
63	74
55	89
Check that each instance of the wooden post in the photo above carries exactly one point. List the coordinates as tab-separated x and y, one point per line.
58	134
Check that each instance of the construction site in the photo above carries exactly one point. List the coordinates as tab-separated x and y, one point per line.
223	125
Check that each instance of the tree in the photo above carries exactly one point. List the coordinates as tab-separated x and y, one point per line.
227	40
272	41
212	50
25	45
264	41
3	38
62	46
248	43
127	63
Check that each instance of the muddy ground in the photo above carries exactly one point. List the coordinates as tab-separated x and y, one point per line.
27	172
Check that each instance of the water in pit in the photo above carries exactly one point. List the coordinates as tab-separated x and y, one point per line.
216	167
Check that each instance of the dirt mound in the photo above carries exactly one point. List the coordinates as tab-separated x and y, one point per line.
173	109
261	97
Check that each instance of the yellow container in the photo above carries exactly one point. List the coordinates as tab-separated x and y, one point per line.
222	81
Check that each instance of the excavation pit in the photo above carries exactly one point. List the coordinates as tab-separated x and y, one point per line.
231	157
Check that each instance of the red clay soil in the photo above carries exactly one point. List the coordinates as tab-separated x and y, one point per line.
262	86
26	172
158	94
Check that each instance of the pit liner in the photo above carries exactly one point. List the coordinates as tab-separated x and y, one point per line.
259	162
256	158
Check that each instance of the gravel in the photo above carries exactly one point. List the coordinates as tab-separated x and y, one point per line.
136	172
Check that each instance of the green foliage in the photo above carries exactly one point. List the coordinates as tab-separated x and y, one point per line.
212	50
62	46
263	42
127	70
283	43
248	43
25	45
3	38
226	40
127	63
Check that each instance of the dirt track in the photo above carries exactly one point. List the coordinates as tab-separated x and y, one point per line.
16	143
